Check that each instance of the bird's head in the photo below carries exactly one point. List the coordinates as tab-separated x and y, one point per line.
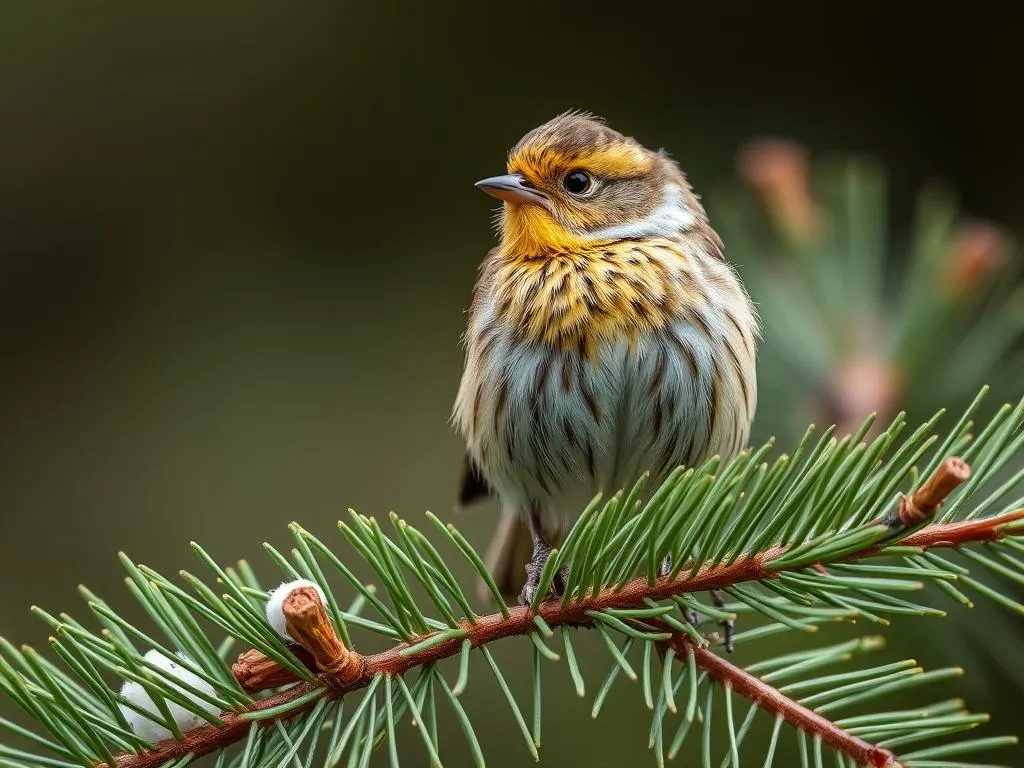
574	183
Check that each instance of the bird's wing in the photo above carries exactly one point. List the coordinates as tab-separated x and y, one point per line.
473	486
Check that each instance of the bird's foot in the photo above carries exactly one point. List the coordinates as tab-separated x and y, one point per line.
666	567
664	570
534	569
728	625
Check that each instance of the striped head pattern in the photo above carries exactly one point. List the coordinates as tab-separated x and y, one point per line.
590	234
589	185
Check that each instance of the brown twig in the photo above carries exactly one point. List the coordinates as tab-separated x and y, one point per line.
483	630
771	700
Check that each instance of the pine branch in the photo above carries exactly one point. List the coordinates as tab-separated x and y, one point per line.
819	536
634	596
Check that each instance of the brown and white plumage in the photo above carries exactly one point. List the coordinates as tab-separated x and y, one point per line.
607	335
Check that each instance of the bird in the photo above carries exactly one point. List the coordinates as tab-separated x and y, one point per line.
606	336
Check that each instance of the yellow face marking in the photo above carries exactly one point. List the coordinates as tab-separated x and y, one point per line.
532	229
544	166
615	161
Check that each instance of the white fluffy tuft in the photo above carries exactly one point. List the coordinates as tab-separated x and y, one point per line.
275	612
152	729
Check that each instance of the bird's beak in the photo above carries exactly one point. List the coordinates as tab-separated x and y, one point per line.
512	188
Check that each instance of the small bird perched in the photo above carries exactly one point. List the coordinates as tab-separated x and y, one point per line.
607	336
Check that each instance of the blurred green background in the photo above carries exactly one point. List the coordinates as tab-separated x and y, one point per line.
237	240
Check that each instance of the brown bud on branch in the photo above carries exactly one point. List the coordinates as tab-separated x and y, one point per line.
255	671
861	385
978	250
308	624
926	500
779	171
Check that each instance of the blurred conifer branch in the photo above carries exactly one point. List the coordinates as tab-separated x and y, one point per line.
864	314
841	529
857	316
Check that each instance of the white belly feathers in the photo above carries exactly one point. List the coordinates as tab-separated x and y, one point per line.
553	429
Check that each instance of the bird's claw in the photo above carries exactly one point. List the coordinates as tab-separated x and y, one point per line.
727	624
534	569
666	567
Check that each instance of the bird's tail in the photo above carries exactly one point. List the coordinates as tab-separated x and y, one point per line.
509	552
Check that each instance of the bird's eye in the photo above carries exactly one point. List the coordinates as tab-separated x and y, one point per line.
578	182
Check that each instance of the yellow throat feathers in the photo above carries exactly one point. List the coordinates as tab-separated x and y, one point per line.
577	298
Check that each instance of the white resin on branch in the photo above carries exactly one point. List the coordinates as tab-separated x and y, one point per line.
153	729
